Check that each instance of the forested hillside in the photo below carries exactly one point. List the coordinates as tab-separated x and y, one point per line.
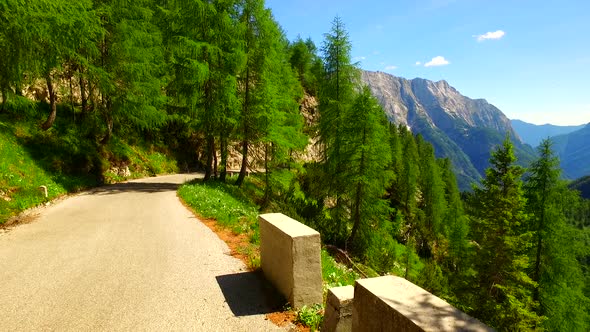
209	80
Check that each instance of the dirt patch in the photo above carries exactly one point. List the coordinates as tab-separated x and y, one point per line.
235	242
287	319
21	219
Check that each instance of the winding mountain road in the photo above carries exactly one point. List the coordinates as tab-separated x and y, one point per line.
126	257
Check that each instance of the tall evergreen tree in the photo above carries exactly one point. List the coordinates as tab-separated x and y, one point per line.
499	222
257	27
366	155
555	267
336	96
432	200
58	32
131	54
456	228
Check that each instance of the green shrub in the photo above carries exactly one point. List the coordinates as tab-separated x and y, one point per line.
311	316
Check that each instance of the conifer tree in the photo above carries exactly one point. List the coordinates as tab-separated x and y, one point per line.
555	266
131	54
456	228
336	95
56	32
432	201
499	222
366	155
257	25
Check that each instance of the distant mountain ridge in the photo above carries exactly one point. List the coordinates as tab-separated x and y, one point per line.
460	128
533	134
573	150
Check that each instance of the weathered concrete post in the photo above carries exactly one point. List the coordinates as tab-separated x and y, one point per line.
290	258
338	314
394	304
43	190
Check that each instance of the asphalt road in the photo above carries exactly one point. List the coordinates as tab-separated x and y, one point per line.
128	257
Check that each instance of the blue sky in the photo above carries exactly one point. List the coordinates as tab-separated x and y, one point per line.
531	59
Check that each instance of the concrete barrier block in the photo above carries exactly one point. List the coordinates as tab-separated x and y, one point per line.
394	304
338	312
290	258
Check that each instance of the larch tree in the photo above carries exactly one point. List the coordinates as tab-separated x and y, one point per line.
555	266
366	153
499	222
59	30
432	200
279	121
256	24
130	60
336	96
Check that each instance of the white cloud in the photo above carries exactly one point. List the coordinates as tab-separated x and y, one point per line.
418	63
359	58
390	67
491	35
437	61
376	53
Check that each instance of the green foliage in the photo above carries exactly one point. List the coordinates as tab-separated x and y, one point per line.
31	158
555	268
311	316
365	153
335	274
499	229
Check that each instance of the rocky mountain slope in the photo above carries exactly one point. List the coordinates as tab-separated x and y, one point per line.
461	129
533	134
573	150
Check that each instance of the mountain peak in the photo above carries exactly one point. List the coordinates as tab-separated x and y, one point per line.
463	129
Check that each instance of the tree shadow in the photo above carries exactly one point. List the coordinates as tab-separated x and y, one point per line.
248	293
432	313
135	187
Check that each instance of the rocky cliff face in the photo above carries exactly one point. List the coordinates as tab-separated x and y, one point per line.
461	129
440	104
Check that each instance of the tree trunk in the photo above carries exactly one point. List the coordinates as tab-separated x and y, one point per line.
108	119
359	194
109	134
83	98
215	174
52	102
72	99
266	178
244	163
3	106
223	166
246	133
357	214
210	152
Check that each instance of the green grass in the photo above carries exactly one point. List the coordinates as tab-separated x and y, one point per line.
66	158
224	203
234	210
231	209
21	175
336	274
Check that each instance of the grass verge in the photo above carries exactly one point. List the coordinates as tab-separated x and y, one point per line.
232	214
66	158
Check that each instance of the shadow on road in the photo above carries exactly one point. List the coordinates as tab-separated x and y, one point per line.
138	187
248	293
